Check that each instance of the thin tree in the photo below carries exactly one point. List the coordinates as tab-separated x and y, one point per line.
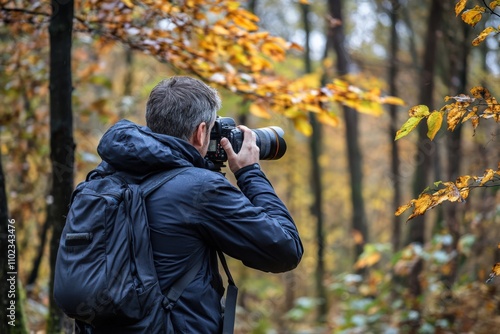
394	125
13	321
315	145
458	47
61	140
425	149
344	66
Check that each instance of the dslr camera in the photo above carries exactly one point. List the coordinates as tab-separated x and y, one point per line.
269	140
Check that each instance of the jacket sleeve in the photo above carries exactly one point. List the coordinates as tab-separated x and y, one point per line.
252	225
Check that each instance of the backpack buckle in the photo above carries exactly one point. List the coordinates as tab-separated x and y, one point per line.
168	305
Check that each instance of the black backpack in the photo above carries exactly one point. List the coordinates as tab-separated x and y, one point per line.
104	274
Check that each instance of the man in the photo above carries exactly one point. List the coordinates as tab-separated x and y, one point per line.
198	211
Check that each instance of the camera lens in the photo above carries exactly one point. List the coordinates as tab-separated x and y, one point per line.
271	143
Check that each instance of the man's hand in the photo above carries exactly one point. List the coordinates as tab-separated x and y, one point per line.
248	154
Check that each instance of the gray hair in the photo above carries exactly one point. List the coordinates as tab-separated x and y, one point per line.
176	106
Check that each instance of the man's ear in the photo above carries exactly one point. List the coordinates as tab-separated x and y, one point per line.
199	135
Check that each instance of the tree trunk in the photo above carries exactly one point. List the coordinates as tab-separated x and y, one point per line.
61	140
426	148
394	125
315	144
458	47
426	151
359	225
11	313
39	256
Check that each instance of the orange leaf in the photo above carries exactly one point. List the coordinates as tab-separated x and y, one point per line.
357	237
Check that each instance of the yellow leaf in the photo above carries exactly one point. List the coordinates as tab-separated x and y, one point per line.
473	16
475	122
393	100
368	260
233	5
421	205
292	112
455	115
494	4
370	108
328	119
128	3
459	7
463	181
303	126
245	23
273	50
480	92
496	269
488	175
312	108
259	111
419	111
464	192
220	30
482	36
405	207
408	127
434	124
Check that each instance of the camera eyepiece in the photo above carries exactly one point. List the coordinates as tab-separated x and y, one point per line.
270	140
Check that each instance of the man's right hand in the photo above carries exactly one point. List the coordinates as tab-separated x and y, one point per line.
248	154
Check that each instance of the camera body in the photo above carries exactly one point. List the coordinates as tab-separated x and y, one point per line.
269	140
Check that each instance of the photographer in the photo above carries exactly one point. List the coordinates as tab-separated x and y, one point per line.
199	211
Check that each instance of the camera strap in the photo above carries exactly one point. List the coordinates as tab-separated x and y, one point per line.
231	297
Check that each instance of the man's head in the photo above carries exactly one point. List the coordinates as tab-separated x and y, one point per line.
185	108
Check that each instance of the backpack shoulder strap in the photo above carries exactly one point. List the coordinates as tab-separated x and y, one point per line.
151	184
178	287
155	181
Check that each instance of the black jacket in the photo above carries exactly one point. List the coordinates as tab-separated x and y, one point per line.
198	212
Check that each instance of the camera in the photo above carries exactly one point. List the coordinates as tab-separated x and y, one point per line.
269	140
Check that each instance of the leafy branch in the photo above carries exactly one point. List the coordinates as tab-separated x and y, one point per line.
474	15
457	191
462	108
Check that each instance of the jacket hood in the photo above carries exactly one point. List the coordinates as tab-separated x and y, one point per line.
136	149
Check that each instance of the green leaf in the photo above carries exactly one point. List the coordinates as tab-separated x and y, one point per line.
408	127
434	124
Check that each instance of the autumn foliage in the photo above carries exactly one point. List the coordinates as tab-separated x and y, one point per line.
480	105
